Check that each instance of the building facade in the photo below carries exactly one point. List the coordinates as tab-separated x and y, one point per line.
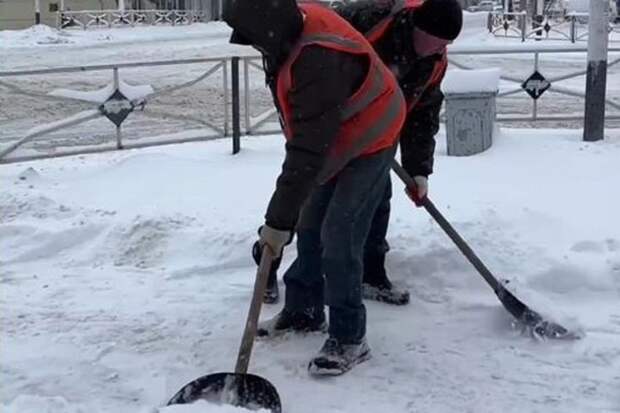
20	14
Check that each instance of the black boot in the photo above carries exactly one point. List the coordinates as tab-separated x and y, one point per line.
376	285
312	319
336	358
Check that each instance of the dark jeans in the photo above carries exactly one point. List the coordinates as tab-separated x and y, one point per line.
376	246
331	234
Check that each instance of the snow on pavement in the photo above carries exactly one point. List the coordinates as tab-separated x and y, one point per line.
127	274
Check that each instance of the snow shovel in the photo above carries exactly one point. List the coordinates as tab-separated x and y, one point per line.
239	388
524	314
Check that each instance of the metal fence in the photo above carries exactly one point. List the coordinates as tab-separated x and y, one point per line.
115	102
572	26
512	85
535	83
90	19
252	110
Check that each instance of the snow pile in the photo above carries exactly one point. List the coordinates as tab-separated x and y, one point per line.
471	81
39	404
35	35
42	35
202	406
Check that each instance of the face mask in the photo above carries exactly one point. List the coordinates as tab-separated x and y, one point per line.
427	45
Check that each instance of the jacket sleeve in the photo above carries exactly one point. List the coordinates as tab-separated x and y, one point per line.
322	81
417	141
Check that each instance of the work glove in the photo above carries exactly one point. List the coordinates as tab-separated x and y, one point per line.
275	239
257	253
418	193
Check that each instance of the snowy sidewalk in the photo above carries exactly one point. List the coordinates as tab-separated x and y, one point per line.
127	274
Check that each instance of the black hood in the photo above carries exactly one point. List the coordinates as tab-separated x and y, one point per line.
272	26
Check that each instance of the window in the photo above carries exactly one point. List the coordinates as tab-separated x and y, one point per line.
53	7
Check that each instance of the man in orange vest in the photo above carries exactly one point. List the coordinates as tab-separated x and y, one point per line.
341	110
411	37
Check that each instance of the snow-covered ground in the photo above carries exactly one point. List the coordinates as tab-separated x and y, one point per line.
127	274
124	275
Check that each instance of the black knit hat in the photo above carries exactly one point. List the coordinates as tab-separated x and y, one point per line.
440	18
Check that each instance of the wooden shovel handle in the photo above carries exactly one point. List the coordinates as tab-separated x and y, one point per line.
449	230
247	342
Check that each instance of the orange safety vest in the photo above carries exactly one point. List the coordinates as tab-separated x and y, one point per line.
378	31
373	116
439	71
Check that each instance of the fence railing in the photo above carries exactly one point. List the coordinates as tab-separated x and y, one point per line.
267	121
572	26
536	83
89	19
252	109
116	102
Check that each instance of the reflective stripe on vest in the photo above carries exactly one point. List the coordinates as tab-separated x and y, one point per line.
434	79
330	39
371	118
358	103
333	164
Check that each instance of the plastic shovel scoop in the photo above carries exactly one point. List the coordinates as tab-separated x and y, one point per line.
239	388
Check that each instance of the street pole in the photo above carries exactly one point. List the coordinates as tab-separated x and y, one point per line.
37	11
235	106
596	77
539	18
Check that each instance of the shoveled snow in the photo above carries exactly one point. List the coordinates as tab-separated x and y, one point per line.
128	274
466	81
202	406
34	36
42	35
37	404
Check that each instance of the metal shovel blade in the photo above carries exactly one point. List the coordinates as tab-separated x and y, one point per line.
243	390
529	318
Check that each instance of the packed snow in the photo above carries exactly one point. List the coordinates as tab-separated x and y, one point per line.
464	81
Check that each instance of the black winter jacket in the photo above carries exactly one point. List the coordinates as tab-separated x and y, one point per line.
417	142
322	82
